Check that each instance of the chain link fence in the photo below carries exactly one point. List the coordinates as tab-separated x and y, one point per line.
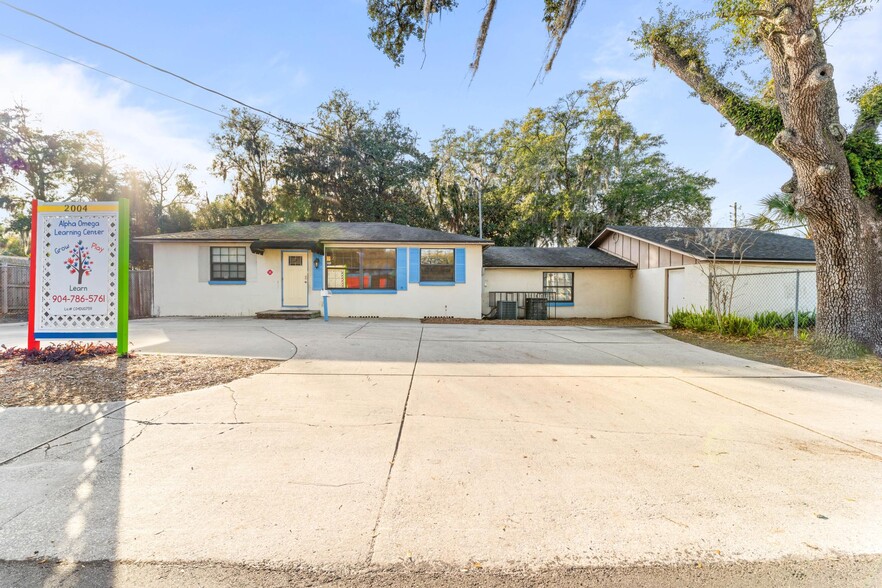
774	299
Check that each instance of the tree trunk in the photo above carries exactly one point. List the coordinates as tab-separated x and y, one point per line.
847	230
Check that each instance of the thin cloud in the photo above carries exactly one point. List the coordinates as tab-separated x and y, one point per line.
66	97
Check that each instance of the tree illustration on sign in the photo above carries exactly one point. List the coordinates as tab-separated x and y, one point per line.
79	262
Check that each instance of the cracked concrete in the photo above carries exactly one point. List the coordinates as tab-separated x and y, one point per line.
390	441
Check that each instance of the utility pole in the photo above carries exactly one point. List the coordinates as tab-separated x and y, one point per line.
734	207
474	182
480	216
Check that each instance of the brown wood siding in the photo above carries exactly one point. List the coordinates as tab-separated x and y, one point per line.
644	255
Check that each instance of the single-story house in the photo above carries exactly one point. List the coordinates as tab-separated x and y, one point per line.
670	261
390	270
577	281
370	270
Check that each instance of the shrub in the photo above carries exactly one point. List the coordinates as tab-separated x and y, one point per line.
58	353
701	320
704	320
776	320
739	326
772	320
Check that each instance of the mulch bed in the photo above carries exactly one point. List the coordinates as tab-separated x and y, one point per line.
782	349
627	321
106	379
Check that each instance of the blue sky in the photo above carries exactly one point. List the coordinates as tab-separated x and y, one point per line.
287	57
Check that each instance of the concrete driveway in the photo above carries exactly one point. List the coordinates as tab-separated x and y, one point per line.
234	337
391	442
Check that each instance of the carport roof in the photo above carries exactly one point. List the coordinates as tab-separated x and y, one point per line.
727	243
551	257
307	233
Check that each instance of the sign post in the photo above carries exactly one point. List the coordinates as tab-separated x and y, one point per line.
33	344
79	272
122	329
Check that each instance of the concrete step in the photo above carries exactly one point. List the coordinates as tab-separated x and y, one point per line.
286	314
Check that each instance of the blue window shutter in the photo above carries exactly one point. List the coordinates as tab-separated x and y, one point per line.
414	266
459	265
318	275
401	268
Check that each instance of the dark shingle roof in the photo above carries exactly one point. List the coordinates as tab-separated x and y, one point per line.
756	245
317	232
551	257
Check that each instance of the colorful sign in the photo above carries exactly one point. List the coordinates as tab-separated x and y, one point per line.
80	262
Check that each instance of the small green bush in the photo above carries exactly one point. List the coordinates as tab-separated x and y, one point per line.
701	320
776	320
772	320
704	321
739	326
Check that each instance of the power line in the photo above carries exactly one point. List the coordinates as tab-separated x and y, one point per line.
157	68
121	79
116	77
302	127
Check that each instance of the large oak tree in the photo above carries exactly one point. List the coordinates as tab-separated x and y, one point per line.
837	174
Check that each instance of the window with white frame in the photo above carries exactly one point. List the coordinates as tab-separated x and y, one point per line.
227	264
559	285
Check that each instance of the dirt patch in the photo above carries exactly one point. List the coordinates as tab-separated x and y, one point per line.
782	349
842	571
626	321
105	379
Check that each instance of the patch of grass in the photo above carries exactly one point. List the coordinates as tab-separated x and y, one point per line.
779	347
839	348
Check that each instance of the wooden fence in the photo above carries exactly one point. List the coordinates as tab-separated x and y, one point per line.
140	293
15	277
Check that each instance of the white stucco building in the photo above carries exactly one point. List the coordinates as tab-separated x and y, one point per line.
368	270
672	267
387	270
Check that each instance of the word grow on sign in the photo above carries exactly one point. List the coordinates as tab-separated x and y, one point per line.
79	272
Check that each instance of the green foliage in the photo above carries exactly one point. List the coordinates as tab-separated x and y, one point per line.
864	155
706	321
677	29
751	117
246	156
358	167
779	212
776	320
396	21
771	320
559	174
739	326
12	244
742	17
701	320
869	101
